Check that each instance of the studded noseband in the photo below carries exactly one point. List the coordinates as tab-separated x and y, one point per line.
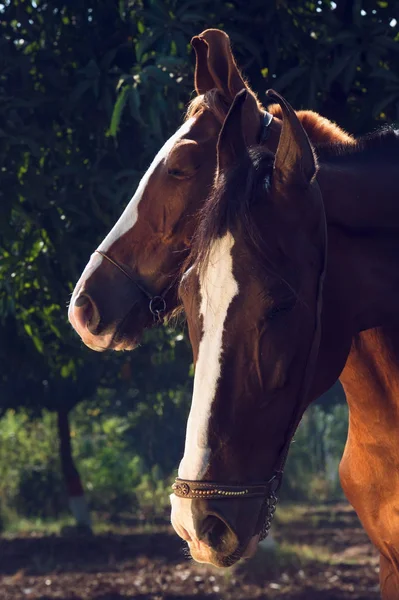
184	488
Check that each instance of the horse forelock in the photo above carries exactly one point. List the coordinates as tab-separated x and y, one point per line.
214	101
229	203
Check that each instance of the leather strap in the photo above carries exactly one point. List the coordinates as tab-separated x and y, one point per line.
157	304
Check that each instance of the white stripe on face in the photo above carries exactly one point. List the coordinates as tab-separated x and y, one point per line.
218	287
130	215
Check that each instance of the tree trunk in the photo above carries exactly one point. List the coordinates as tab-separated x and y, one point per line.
76	496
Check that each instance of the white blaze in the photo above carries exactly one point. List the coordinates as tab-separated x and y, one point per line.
130	215
217	288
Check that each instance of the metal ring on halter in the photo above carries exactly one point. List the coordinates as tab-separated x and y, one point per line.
156	312
152	306
266	122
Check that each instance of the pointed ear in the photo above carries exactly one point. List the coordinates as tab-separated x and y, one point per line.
231	143
215	65
295	162
240	129
203	80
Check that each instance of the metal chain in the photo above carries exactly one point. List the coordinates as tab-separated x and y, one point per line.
271	503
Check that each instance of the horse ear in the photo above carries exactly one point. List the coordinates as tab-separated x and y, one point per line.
231	143
203	80
295	162
215	65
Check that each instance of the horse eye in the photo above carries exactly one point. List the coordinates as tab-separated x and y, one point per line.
177	173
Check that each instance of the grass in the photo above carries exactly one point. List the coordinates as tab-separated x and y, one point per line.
14	525
285	555
288	513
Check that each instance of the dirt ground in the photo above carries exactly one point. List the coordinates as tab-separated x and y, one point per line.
322	553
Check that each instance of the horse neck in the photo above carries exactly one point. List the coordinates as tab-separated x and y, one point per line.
361	291
371	380
361	198
363	267
361	299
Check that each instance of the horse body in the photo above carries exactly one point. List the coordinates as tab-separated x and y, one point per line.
358	343
370	464
365	260
361	268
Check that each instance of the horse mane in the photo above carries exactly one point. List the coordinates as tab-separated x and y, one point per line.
222	210
380	145
319	129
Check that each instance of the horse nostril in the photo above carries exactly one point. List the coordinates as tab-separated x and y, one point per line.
214	531
81	300
85	311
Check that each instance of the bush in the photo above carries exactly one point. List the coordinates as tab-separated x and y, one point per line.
30	479
40	492
118	478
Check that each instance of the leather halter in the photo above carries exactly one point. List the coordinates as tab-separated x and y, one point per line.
184	488
157	304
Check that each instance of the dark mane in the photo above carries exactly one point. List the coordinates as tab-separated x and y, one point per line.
380	145
223	210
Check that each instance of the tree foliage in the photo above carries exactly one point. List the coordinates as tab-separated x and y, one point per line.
88	91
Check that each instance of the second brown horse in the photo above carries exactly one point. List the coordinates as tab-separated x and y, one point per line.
274	312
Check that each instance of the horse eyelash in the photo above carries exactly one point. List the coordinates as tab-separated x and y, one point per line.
177	173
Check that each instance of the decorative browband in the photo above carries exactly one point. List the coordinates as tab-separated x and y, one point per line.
185	488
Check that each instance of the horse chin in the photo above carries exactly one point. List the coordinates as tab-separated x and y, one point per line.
124	344
202	553
126	337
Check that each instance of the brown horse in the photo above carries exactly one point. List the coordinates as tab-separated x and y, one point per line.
152	238
150	241
273	315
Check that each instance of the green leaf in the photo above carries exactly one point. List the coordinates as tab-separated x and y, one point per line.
38	344
118	110
28	329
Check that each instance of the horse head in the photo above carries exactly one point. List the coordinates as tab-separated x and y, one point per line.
132	276
252	294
